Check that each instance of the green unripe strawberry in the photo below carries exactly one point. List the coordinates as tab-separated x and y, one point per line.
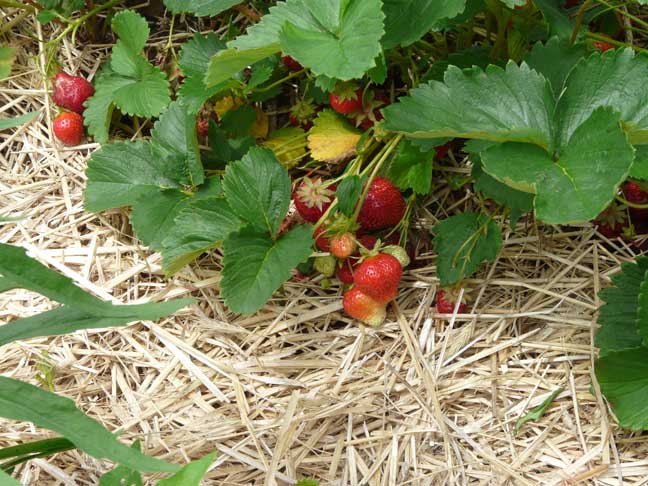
399	253
325	265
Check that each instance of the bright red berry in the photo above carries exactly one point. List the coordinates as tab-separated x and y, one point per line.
202	126
445	303
362	307
70	92
603	46
68	128
613	222
291	64
346	102
368	241
343	246
378	276
321	241
634	193
313	198
383	207
346	270
441	151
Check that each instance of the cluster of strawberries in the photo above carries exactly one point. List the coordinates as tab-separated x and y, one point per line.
624	220
354	252
70	92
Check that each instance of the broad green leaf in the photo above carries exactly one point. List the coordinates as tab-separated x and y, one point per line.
174	140
555	59
512	104
6	480
194	61
223	149
45	16
262	71
332	138
411	168
255	266
122	475
474	56
17	121
462	242
202	225
122	172
639	169
341	39
537	412
348	192
577	186
131	28
623	378
238	122
200	8
7	56
257	189
606	80
618	317
100	106
558	22
153	215
25	402
144	95
225	64
406	21
642	311
190	474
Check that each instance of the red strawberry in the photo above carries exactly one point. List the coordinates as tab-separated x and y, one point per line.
321	241
291	64
343	246
441	150
362	307
368	241
70	92
313	198
346	100
383	207
603	46
68	128
346	270
446	301
202	126
378	276
635	194
613	222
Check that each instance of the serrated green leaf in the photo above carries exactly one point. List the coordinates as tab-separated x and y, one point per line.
17	121
190	474
537	412
512	104
605	80
463	242
639	169
406	21
223	149
618	317
225	64
623	378
122	475
577	186
194	61
255	266
257	189
153	215
411	168
25	402
6	480
348	192
199	227
338	38
262	71
144	95
378	73
555	59
7	56
99	107
238	122
200	8
474	56
131	28
45	16
642	311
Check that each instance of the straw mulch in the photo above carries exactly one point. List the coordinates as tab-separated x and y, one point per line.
298	390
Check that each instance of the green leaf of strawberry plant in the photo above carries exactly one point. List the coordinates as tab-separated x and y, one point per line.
223	149
411	168
7	480
474	56
225	64
25	402
123	475
128	82
255	265
80	310
257	189
7	56
194	61
191	474
463	242
200	8
348	192
558	21
238	122
154	213
623	378
554	60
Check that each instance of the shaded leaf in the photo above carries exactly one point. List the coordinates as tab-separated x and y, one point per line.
225	64
411	168
555	59
200	8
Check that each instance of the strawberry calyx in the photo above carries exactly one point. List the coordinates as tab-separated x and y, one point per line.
347	91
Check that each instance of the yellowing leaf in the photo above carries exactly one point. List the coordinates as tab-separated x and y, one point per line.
288	145
332	138
226	104
259	128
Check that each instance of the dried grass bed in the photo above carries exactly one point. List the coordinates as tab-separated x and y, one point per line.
298	390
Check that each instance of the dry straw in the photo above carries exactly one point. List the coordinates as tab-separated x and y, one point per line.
298	390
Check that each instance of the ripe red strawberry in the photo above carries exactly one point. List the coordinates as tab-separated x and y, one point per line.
446	301
613	222
378	276
368	241
313	198
291	64
70	92
202	126
383	207
345	100
603	46
346	271
68	128
362	307
343	246
634	193
321	241
441	150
